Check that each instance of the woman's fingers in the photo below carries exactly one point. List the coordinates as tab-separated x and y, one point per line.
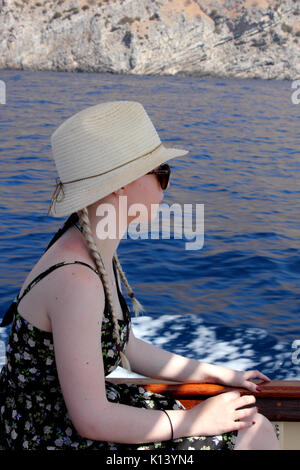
233	395
237	400
245	400
239	425
246	413
252	387
255	374
264	377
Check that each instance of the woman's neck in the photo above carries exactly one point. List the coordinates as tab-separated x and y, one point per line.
105	246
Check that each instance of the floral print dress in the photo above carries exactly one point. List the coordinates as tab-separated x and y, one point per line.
33	414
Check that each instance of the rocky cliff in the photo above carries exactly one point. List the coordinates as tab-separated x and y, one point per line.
224	38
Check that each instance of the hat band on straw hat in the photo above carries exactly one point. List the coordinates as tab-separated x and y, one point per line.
59	189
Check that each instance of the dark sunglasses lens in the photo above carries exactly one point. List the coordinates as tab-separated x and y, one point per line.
164	176
163	179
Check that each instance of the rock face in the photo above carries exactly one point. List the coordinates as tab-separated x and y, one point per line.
223	38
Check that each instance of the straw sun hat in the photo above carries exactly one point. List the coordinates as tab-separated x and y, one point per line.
100	149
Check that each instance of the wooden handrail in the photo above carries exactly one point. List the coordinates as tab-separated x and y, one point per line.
276	388
278	400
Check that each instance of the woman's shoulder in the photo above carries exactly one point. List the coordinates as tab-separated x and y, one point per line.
73	264
65	251
38	301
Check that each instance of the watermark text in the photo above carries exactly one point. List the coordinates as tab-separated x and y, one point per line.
296	94
159	221
2	92
296	353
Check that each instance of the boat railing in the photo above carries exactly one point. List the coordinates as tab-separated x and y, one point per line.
278	400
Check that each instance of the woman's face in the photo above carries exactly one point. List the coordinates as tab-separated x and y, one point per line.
143	197
145	191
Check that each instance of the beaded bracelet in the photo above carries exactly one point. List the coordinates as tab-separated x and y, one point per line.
170	424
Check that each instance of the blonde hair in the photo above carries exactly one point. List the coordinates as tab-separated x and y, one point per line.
137	307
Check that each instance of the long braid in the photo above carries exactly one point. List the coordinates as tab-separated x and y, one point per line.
136	305
86	230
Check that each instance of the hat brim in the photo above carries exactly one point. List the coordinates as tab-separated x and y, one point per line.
79	195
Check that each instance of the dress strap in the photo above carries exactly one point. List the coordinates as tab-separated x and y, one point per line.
48	271
8	317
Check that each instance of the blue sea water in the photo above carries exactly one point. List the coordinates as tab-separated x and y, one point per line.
235	301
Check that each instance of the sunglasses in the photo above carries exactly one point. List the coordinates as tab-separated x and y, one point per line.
163	173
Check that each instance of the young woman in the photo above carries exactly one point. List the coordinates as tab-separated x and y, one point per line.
71	326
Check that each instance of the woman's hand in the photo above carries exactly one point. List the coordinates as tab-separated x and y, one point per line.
221	414
236	378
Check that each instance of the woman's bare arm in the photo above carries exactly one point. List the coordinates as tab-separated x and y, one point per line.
151	361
